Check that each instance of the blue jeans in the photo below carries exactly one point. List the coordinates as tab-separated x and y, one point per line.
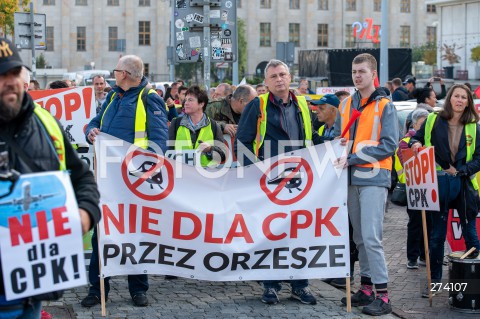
276	284
31	311
136	283
450	190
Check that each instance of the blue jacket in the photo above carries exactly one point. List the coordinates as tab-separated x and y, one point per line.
119	120
275	131
400	94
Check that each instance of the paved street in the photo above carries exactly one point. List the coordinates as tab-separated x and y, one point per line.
190	299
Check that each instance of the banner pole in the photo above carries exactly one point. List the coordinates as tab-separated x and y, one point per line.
102	280
427	256
349	296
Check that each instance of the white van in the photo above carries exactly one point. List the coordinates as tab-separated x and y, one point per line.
84	78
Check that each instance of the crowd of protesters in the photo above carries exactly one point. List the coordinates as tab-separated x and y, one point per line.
183	117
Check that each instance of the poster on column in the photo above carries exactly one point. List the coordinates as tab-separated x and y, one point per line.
40	226
283	218
421	179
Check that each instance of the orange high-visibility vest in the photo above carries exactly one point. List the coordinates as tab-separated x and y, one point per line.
368	128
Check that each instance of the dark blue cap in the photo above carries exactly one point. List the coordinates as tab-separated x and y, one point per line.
331	99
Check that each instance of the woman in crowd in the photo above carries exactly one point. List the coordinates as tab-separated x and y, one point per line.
454	133
415	248
426	99
195	130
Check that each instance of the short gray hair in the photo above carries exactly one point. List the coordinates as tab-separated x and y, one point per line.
273	63
243	92
132	64
418	114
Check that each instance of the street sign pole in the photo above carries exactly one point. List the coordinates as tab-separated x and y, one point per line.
32	27
172	43
206	41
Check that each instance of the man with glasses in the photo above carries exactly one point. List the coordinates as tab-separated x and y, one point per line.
281	120
140	121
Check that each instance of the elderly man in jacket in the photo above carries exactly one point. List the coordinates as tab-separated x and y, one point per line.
142	121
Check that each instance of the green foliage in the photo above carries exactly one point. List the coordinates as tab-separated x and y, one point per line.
7	9
41	62
426	53
187	71
255	80
242	47
475	54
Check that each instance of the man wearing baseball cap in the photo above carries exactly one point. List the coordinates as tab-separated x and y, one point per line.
409	84
327	108
32	141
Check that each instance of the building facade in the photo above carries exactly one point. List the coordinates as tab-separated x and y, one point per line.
459	31
83	33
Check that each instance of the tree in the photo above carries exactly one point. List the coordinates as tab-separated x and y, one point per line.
7	9
41	63
242	48
449	53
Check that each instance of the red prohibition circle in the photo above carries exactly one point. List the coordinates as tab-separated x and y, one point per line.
272	195
133	187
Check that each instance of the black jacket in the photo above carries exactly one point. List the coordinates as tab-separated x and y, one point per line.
439	140
27	130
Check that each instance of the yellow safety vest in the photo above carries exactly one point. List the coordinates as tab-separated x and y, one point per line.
262	121
470	136
54	131
183	140
398	165
140	136
321	130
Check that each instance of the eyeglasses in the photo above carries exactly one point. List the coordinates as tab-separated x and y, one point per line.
115	70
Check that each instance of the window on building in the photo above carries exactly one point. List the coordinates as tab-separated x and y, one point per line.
294	33
405	36
432	35
144	3
265	4
48	2
112	3
265	34
146	69
322	35
351	5
81	38
405	6
431	8
294	4
377	5
143	32
349	38
322	4
81	3
112	38
49	39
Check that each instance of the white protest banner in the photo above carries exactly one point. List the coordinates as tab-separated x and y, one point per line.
421	179
285	218
332	90
73	107
40	226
